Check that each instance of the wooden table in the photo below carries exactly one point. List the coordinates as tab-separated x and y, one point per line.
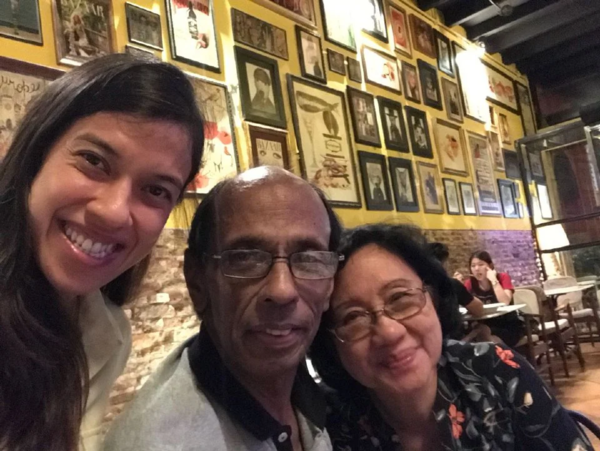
500	310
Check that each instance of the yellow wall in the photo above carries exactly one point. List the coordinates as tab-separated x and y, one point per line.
46	56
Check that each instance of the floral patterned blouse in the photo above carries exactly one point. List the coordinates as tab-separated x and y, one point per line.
487	399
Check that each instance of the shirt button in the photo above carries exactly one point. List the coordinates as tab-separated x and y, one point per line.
282	437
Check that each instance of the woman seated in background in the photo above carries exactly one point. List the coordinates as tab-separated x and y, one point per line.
397	385
492	287
96	166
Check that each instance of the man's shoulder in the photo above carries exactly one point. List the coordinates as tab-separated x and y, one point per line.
168	413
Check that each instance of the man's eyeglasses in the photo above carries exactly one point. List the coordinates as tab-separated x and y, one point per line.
355	324
255	264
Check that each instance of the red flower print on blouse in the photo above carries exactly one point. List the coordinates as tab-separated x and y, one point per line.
506	356
456	417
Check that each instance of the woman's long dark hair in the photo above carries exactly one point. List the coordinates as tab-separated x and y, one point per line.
410	245
43	368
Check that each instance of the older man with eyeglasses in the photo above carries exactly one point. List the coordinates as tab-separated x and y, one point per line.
259	267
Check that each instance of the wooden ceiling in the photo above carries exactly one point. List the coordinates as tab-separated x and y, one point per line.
556	43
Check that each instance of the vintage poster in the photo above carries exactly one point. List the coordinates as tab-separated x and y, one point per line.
484	175
259	34
82	30
220	160
323	137
16	91
448	139
501	88
302	11
192	33
473	83
20	19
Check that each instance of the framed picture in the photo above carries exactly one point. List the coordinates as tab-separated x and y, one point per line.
472	82
537	168
220	159
83	30
20	82
301	11
521	210
451	194
496	150
412	89
373	16
381	69
468	199
21	21
403	183
527	113
400	30
450	147
392	119
143	26
507	195
422	36
261	35
545	206
364	117
419	132
337	62
269	147
311	55
429	179
324	142
339	23
430	85
511	164
493	118
375	181
452	100
192	33
444	53
260	88
501	88
136	51
484	174
354	70
504	129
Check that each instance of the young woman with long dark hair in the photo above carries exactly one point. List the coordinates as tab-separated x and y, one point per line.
95	168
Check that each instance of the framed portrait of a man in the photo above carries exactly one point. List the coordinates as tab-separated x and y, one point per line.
260	88
430	86
143	26
364	117
403	183
311	55
429	178
410	77
394	129
375	181
420	140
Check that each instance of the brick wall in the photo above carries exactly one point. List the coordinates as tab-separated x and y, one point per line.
159	324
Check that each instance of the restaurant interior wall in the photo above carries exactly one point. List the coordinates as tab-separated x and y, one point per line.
162	315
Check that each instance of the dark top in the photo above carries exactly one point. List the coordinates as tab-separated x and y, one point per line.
221	384
487	398
461	297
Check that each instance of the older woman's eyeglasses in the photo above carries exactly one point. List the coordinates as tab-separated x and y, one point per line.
256	264
355	324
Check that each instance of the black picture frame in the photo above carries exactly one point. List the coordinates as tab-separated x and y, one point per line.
373	167
252	112
452	101
410	80
33	33
364	119
526	107
427	74
173	42
452	204
509	206
511	164
378	15
514	89
391	113
354	70
418	118
337	62
403	183
445	61
318	63
130	11
271	39
471	208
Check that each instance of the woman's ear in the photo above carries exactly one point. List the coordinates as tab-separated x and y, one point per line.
194	271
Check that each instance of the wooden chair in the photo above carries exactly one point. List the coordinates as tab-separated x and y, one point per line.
587	315
534	345
562	330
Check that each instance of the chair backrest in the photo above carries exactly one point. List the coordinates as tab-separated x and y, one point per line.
585	279
584	421
564	282
529	298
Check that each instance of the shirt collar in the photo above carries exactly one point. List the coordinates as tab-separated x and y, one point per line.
212	374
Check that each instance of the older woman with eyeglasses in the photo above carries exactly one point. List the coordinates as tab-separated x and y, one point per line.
398	385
